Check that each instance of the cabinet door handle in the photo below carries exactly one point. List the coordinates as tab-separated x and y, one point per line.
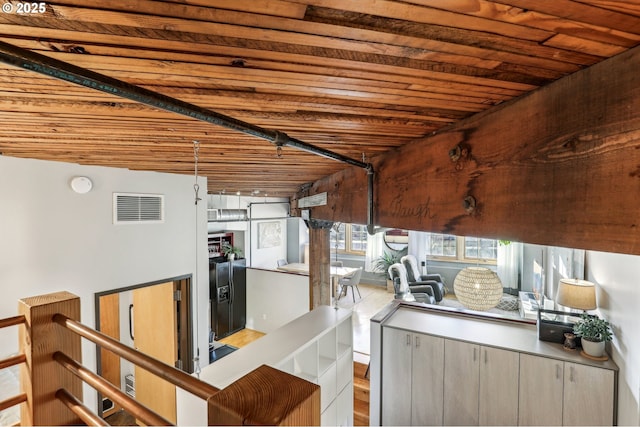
417	342
486	357
557	372
571	374
131	321
475	354
408	339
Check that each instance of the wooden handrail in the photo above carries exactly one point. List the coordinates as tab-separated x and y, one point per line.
86	415
12	361
11	321
162	370
12	401
103	386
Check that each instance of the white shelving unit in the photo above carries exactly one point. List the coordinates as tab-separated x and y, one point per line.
328	362
317	346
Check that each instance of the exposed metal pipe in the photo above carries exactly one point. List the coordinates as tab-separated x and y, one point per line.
43	64
33	61
370	227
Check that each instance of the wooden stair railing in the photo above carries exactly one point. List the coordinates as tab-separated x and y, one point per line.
12	361
52	376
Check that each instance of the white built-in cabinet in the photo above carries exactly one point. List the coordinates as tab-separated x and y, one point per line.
317	346
443	369
327	361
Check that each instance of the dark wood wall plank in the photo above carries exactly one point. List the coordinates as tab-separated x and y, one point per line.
560	166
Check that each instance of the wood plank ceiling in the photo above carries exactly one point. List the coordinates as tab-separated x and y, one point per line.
358	77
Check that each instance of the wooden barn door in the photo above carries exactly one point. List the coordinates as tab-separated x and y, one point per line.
155	334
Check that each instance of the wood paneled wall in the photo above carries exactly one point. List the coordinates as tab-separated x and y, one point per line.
560	166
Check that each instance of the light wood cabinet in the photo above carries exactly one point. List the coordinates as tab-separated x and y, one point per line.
587	393
396	377
413	370
480	385
427	380
461	383
454	370
499	379
540	395
570	393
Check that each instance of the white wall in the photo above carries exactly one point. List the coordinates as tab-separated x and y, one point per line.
616	277
53	239
275	298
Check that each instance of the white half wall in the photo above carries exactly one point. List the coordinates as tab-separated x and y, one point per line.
54	239
618	296
274	298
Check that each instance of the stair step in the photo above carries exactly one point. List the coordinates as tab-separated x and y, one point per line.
359	369
360	407
361	388
361	394
360	420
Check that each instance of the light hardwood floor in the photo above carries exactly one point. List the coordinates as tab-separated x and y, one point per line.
242	338
374	298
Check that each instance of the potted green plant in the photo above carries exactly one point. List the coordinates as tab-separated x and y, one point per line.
231	251
383	262
594	332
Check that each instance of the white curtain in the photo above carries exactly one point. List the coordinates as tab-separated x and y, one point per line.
418	243
509	264
375	246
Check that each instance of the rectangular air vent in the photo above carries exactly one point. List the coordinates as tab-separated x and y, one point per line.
131	208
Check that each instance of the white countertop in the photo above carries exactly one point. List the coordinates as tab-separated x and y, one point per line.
515	336
273	347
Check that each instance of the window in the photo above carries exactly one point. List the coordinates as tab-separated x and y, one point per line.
458	248
443	245
358	242
480	249
350	238
338	240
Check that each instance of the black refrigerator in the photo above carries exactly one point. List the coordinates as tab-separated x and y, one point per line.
228	292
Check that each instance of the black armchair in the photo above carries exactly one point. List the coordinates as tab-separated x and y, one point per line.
418	291
413	276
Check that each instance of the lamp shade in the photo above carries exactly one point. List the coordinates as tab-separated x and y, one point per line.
478	288
576	293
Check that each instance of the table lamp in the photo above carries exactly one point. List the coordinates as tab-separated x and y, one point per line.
576	293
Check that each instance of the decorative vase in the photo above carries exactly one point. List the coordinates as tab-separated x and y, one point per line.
569	340
593	348
231	256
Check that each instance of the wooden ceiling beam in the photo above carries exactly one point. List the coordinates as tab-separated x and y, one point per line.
557	167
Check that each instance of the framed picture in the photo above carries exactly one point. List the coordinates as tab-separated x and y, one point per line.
269	234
